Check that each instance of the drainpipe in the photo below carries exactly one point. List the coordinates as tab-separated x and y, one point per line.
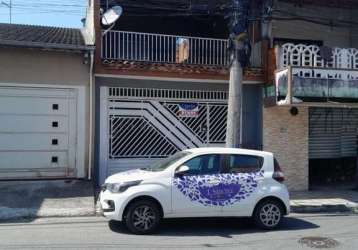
90	141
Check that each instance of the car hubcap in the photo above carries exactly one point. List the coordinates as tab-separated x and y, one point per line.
270	215
143	218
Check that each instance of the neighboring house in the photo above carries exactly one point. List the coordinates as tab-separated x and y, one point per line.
311	117
44	102
162	84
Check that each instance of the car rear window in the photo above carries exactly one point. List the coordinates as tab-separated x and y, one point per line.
243	163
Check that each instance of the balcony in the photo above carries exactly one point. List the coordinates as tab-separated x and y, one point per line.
303	74
163	49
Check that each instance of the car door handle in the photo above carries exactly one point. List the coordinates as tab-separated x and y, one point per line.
214	182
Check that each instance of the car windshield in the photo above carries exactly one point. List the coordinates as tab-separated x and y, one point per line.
164	163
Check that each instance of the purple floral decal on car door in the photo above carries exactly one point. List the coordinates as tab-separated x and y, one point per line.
219	189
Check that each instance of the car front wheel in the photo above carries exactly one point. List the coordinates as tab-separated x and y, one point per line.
268	214
142	217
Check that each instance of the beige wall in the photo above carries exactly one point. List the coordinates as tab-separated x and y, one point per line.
332	36
20	65
287	137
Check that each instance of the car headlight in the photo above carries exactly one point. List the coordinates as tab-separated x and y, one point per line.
121	187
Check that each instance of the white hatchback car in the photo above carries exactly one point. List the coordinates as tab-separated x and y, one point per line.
202	182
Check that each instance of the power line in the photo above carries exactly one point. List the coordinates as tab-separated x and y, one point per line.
8	5
35	5
20	9
70	8
167	8
333	22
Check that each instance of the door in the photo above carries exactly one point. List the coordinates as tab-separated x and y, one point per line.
37	132
332	133
332	145
141	126
194	194
245	179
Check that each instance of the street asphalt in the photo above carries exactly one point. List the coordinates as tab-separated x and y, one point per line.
340	230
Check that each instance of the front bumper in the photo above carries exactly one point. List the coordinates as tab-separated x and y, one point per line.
112	205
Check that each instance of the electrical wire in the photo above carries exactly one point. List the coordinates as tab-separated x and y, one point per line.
169	8
66	7
221	8
332	22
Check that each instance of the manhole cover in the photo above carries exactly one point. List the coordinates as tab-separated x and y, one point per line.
318	242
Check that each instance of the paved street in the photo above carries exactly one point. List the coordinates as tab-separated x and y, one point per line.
97	233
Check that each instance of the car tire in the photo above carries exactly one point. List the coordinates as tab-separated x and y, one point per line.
142	217
268	214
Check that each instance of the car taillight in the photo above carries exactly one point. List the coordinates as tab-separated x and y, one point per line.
278	173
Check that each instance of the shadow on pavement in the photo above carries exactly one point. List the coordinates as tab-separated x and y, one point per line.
45	198
224	227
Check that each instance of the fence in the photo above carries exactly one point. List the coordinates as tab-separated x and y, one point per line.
135	46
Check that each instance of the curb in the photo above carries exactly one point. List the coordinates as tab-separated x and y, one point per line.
33	213
340	208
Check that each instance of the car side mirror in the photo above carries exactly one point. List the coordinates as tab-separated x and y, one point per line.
181	171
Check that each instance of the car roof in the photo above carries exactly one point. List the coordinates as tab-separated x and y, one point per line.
223	150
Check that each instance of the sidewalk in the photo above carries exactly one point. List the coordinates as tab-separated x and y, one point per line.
32	199
325	201
54	198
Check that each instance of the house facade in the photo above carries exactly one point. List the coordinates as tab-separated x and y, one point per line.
310	115
162	84
162	76
44	102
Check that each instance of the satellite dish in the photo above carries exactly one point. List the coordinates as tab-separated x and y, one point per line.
112	15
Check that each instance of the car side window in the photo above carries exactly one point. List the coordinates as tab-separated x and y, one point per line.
204	165
243	163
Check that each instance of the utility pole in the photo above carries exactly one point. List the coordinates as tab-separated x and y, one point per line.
356	172
9	5
240	51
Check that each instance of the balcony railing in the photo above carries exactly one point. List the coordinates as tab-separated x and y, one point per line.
158	48
310	56
307	62
303	74
315	84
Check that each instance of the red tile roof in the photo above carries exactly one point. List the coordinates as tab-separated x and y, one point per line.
41	36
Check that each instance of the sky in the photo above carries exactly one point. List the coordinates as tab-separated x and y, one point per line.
61	13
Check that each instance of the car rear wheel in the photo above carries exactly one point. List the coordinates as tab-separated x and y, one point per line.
268	214
142	217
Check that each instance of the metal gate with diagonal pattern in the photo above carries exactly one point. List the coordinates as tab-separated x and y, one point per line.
140	126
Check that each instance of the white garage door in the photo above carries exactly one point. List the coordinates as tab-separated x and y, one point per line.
333	133
37	132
